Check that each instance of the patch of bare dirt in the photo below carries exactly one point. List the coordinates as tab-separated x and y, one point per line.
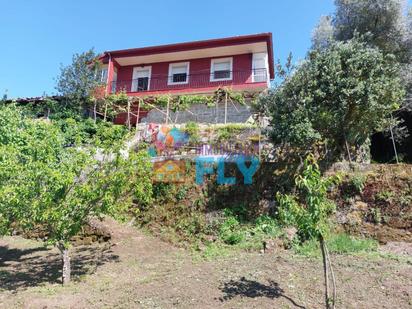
139	271
382	209
398	248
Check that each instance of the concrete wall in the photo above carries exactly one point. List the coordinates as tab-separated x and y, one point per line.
200	113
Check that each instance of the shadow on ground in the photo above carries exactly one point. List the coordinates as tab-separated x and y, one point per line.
252	289
22	268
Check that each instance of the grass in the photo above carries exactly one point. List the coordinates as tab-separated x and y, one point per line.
213	251
340	244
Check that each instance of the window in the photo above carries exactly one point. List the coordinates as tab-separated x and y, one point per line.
141	78
259	67
221	69
101	75
178	73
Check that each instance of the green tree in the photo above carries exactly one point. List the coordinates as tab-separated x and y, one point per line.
323	34
385	24
340	95
79	79
44	182
309	212
382	23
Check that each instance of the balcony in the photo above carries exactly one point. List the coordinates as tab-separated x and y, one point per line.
256	78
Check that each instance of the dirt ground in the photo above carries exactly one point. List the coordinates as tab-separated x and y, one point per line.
135	270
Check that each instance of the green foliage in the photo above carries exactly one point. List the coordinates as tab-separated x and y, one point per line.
228	131
192	129
340	93
113	103
119	98
358	182
383	22
87	131
309	210
237	230
77	80
266	225
385	196
183	102
230	231
338	243
44	182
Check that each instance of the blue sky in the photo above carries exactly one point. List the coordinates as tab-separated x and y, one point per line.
38	36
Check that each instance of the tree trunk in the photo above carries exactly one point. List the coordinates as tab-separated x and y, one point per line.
66	270
105	111
325	270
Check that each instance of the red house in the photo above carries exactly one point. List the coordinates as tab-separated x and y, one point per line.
244	63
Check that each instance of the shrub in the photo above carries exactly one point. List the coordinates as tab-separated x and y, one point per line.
358	182
230	231
192	129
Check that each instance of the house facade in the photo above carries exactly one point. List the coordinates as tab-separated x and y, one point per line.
243	63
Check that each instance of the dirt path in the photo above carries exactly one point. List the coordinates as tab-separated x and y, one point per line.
139	271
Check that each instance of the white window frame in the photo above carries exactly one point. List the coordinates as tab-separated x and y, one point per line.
99	74
265	58
178	64
212	70
137	69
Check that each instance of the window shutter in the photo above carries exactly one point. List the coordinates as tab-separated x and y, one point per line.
222	66
179	69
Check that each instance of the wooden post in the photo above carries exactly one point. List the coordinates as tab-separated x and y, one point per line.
105	110
393	142
260	133
225	107
325	271
217	110
347	149
138	114
167	110
128	115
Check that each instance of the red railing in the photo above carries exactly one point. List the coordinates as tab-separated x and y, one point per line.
195	80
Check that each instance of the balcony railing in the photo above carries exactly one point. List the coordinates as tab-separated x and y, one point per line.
195	80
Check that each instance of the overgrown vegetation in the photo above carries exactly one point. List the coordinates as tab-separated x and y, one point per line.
339	244
338	96
309	211
46	182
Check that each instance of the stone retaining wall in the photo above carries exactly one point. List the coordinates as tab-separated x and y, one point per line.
200	113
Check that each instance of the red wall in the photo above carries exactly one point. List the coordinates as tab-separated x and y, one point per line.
242	67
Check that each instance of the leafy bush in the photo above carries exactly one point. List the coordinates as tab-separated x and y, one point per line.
228	131
358	182
266	225
384	196
230	231
192	129
342	93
